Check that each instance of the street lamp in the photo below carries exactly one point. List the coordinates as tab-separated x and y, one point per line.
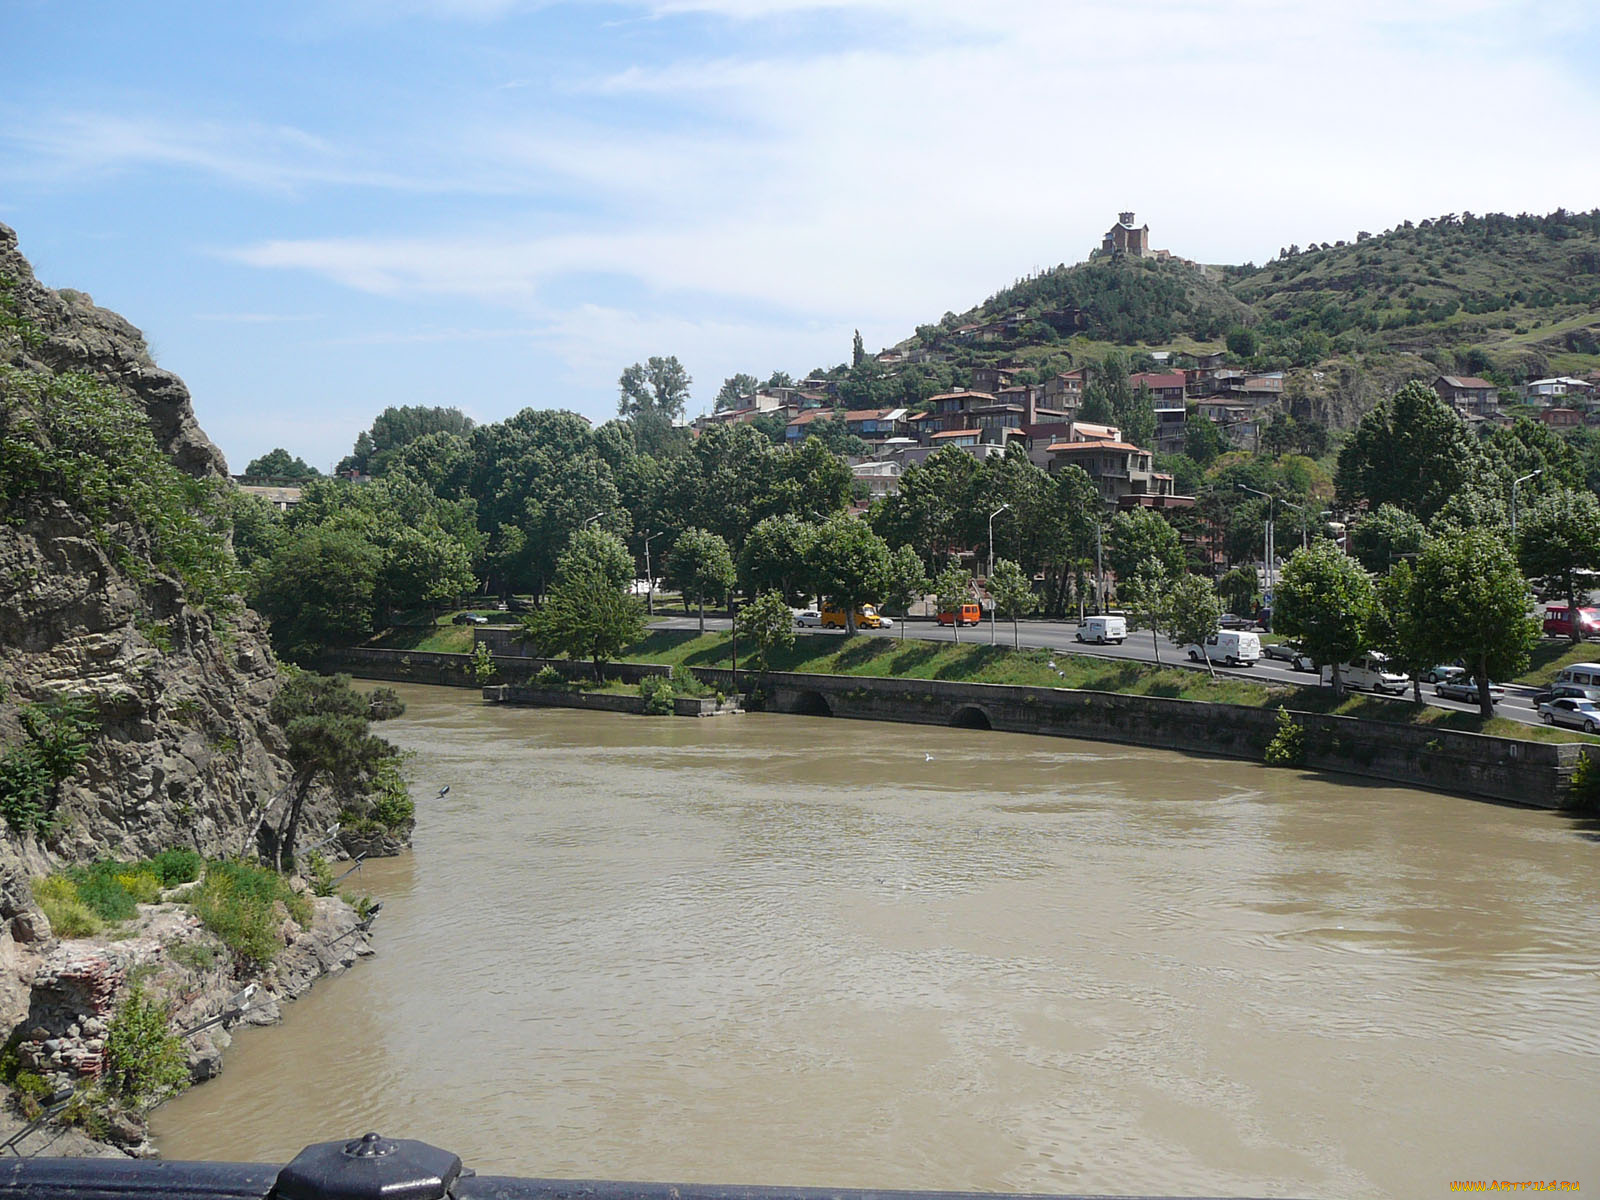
593	519
1298	508
649	576
1514	484
1267	547
990	575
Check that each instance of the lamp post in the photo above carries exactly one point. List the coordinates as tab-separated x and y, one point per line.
1514	484
990	575
593	519
649	576
1298	508
1267	546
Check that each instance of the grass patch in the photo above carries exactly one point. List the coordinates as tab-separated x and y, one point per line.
238	902
966	662
1551	654
1404	712
436	639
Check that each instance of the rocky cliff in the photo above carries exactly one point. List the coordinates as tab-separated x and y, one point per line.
113	594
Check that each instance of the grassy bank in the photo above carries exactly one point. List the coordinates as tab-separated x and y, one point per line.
966	662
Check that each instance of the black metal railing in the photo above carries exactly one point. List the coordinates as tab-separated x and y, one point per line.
376	1168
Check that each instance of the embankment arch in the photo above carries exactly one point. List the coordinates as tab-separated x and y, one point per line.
970	716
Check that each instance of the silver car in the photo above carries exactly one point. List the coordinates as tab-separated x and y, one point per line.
1571	712
1462	687
807	618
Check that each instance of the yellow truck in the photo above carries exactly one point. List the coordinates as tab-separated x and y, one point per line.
867	617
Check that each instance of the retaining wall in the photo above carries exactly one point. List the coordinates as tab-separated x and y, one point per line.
1470	764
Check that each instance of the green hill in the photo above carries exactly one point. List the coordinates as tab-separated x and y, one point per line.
1508	298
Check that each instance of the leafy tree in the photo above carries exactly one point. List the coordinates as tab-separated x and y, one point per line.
325	724
734	389
658	387
652	397
1012	593
952	588
774	558
319	591
780	379
768	625
423	568
1143	535
850	564
700	566
277	464
1558	543
1144	591
936	507
858	352
1242	342
588	613
1478	604
1239	589
1324	600
1412	450
905	581
397	427
1385	536
1193	613
1472	508
1396	630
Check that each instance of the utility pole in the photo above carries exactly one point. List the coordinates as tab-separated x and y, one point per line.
1268	537
1099	573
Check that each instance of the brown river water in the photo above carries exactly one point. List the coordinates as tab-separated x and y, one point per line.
793	950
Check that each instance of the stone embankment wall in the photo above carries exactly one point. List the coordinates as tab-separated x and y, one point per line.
1468	764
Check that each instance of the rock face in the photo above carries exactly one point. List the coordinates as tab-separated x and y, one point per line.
184	753
78	336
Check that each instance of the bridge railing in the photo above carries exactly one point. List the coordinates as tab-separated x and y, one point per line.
375	1168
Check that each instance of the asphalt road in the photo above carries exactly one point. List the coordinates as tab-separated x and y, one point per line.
1061	635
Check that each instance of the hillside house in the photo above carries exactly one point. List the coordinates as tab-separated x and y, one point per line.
1469	395
1118	469
881	478
1561	418
1163	385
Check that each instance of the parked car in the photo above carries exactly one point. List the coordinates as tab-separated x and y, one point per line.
1236	648
1464	687
1582	674
1235	621
468	619
1101	630
1554	691
807	618
1572	712
1291	653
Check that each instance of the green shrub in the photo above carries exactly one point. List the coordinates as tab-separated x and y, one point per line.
69	916
392	806
177	866
1585	791
548	676
236	902
658	694
145	1061
384	704
320	873
685	683
31	773
197	956
30	1091
114	889
483	668
1288	745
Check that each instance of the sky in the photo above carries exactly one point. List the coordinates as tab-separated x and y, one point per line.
315	209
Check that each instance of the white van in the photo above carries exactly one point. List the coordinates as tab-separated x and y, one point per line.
1370	671
1583	674
1101	630
1236	647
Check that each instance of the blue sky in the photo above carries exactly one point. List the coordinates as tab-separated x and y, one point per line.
314	210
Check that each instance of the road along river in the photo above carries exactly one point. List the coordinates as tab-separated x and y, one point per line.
788	950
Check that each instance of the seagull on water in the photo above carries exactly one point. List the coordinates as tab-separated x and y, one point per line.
926	757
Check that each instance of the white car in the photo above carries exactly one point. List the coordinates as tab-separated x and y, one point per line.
807	618
1572	712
